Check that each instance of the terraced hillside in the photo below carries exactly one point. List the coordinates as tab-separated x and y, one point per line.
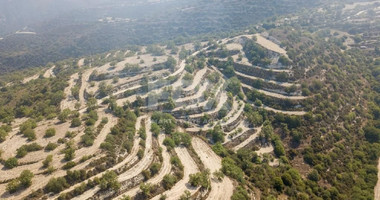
161	122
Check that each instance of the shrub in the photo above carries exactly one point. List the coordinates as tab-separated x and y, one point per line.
56	185
168	181
69	154
50	132
69	165
200	179
26	178
30	134
11	163
51	146
109	181
47	161
75	122
240	194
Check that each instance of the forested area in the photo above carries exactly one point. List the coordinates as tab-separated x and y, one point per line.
208	115
194	19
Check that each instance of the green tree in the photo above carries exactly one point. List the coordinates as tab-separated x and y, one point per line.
109	181
240	194
168	181
146	189
62	117
75	122
233	85
56	185
13	186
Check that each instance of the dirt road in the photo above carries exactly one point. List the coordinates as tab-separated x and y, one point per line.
299	113
190	167
49	73
377	187
69	101
269	44
275	95
145	161
284	84
165	169
249	139
219	189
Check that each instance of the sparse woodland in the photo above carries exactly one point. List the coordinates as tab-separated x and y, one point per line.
293	114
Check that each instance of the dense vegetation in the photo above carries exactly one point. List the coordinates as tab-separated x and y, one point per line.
328	152
20	51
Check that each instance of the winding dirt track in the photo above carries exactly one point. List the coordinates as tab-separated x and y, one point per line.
190	167
299	113
269	44
49	73
377	187
284	84
81	62
275	95
69	101
223	98
249	139
84	85
132	155
197	79
145	161
243	125
165	169
27	79
219	189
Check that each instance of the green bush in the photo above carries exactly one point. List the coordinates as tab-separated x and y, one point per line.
47	161
75	122
56	185
109	181
200	179
11	163
50	146
168	181
69	165
50	132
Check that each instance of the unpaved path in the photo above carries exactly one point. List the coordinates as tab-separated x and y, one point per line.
165	169
27	79
377	187
84	86
197	95
244	125
49	73
267	149
269	44
69	101
190	167
234	46
112	121
147	158
135	170
197	79
223	98
249	139
235	112
298	113
81	62
284	84
219	189
128	159
275	95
